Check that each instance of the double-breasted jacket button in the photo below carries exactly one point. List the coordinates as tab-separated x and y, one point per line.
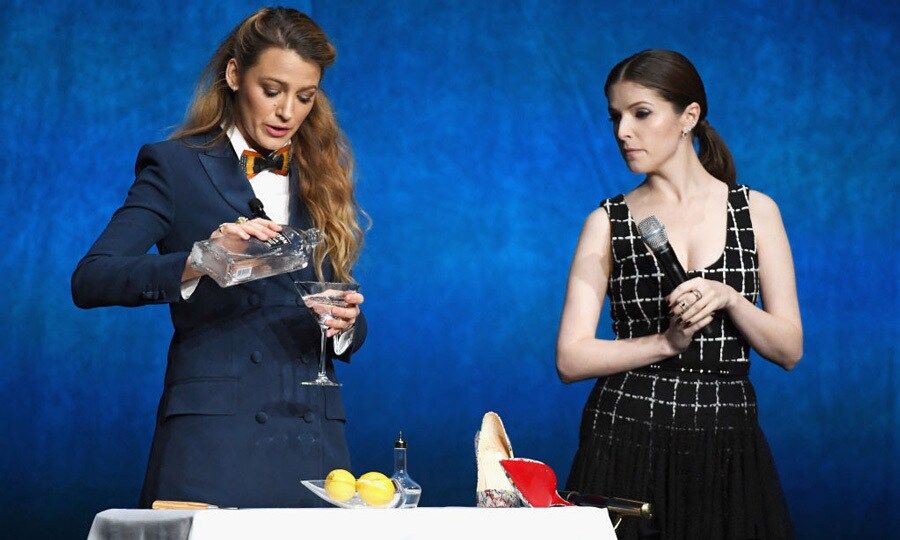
309	417
262	417
256	357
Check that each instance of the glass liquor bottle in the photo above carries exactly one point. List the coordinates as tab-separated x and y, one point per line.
410	491
230	260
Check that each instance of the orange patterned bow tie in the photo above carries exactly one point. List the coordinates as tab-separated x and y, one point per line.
253	163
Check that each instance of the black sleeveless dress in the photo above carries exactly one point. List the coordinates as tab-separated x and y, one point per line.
682	433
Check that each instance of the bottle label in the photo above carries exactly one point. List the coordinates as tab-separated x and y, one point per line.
243	272
277	241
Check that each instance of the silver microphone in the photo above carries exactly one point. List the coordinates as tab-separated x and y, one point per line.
654	234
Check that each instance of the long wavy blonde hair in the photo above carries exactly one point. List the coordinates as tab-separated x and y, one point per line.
319	147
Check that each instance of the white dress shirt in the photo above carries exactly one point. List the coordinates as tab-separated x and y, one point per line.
274	192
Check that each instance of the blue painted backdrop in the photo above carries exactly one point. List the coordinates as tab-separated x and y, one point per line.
482	142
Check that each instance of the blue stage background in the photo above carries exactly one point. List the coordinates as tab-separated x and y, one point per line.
482	142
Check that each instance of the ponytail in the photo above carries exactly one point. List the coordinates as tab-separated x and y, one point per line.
676	79
714	154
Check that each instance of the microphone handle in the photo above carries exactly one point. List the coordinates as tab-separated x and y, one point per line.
676	275
259	212
625	507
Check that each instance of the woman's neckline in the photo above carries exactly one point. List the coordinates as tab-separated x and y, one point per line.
728	225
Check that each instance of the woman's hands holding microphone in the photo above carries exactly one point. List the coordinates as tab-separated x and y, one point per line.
692	306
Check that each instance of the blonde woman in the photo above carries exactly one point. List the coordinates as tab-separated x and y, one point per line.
234	426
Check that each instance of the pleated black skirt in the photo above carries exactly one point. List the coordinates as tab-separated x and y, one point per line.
691	445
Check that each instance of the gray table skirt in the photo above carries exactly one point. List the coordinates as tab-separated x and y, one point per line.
142	524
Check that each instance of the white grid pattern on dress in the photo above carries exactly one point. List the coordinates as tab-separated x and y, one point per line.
703	388
638	307
707	406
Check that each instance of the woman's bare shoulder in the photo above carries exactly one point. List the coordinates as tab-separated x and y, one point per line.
763	208
597	222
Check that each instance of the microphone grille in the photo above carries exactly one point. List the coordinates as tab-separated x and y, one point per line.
653	232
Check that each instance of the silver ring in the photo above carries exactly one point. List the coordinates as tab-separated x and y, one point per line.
697	293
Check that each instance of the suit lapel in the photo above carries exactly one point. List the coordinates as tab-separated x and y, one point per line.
300	217
224	171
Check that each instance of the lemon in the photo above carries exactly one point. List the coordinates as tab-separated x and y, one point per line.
340	485
374	475
375	488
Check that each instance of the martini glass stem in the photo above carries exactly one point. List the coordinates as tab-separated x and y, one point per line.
322	374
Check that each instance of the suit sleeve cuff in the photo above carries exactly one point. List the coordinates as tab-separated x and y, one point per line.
188	287
342	342
162	284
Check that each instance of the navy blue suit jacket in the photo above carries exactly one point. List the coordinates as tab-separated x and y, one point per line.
234	425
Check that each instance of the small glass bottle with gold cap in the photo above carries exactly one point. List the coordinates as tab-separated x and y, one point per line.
409	490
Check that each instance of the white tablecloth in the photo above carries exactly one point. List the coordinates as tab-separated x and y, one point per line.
571	523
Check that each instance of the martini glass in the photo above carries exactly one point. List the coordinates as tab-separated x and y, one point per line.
320	298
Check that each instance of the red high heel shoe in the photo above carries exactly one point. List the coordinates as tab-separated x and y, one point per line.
536	483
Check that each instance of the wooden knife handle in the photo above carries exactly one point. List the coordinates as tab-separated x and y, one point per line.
181	505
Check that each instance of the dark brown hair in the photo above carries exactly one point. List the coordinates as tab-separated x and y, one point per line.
319	147
677	81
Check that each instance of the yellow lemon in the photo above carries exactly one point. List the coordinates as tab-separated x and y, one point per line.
375	488
374	475
340	485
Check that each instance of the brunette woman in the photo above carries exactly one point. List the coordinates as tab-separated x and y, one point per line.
672	418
